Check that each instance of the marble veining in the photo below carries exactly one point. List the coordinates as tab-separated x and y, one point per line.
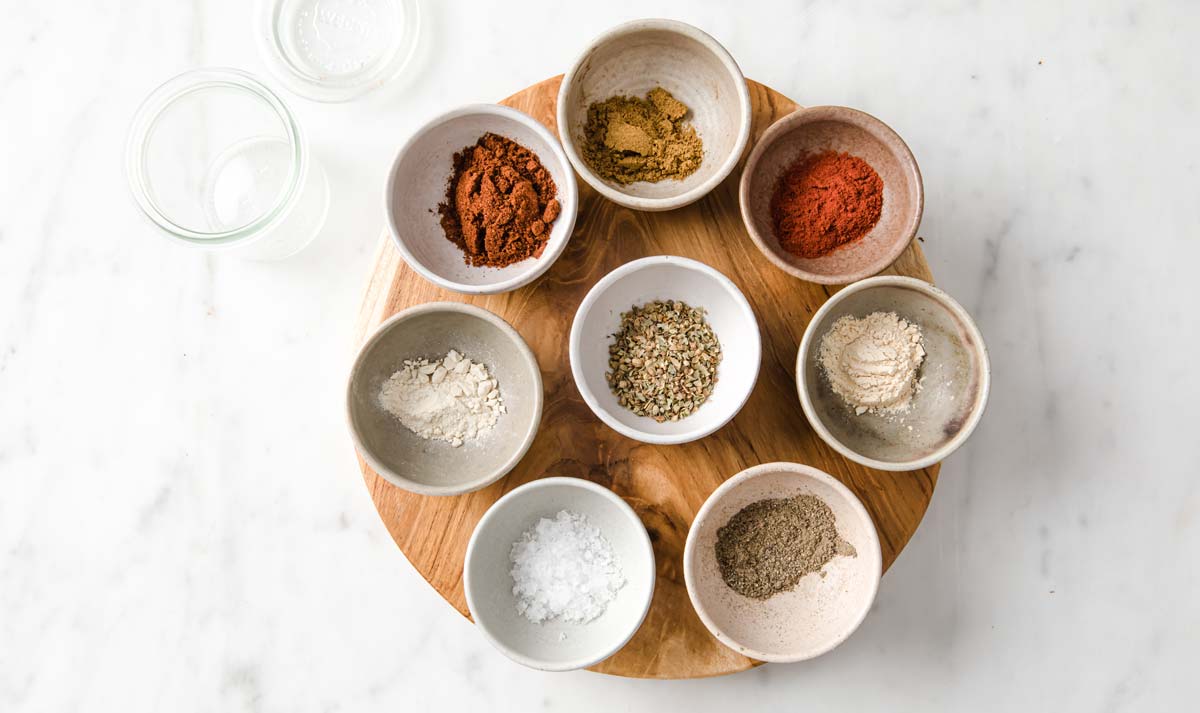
183	526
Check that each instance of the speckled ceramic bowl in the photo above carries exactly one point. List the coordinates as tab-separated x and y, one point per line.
433	467
834	128
823	609
955	378
556	645
633	58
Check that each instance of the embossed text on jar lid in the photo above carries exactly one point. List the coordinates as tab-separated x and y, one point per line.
337	50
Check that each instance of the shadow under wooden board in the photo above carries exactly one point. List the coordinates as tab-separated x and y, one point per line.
666	485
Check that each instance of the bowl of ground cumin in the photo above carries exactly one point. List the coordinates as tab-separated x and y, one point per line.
782	562
481	200
654	114
831	194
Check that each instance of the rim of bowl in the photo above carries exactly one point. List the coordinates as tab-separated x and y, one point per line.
577	334
731	66
569	191
689	554
531	430
844	114
644	541
940	296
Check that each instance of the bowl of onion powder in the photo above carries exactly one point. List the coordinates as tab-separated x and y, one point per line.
559	574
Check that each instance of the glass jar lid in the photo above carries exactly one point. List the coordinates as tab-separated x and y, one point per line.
337	50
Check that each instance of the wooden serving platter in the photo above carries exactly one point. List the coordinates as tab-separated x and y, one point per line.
666	485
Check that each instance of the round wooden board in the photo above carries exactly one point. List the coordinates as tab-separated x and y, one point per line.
666	485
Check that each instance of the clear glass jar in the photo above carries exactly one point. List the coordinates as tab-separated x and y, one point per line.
217	161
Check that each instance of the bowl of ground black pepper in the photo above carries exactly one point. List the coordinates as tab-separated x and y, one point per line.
481	200
654	114
782	562
831	194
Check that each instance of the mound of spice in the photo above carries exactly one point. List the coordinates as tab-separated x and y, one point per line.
770	544
452	399
824	201
663	362
565	569
628	139
872	362
500	202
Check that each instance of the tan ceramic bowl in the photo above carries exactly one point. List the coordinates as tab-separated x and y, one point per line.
956	378
632	59
432	467
841	129
823	609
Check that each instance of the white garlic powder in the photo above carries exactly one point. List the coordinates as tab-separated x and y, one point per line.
452	399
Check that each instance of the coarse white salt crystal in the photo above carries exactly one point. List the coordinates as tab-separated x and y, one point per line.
563	568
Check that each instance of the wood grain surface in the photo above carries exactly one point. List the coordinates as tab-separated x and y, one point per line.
666	485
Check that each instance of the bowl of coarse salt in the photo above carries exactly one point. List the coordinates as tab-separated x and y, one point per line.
559	574
893	373
444	398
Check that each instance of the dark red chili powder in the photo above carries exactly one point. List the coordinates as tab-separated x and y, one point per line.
824	201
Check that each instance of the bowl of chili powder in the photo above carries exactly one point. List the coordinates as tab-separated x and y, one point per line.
831	195
481	200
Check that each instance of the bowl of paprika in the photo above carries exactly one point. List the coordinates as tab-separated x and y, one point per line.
831	195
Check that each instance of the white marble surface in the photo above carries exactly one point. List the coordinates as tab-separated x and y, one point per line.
182	525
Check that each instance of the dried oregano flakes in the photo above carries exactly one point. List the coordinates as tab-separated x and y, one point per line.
662	362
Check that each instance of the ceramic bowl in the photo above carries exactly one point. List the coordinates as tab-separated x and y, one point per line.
822	610
955	378
666	277
834	128
433	467
417	184
633	58
555	645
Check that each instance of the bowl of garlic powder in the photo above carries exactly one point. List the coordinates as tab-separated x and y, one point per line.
444	398
893	373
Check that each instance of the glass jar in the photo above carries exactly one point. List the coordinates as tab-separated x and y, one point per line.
337	50
217	161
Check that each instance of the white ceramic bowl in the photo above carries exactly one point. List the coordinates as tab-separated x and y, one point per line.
821	611
555	645
432	467
633	58
954	390
666	277
417	184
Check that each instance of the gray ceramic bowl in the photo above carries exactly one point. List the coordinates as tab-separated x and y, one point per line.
946	409
433	467
837	128
555	645
822	610
633	58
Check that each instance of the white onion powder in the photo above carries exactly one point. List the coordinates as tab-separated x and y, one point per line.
563	568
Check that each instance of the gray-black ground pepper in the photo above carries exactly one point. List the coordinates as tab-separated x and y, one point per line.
770	544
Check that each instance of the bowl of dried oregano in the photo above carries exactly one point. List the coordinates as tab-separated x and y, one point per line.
665	349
